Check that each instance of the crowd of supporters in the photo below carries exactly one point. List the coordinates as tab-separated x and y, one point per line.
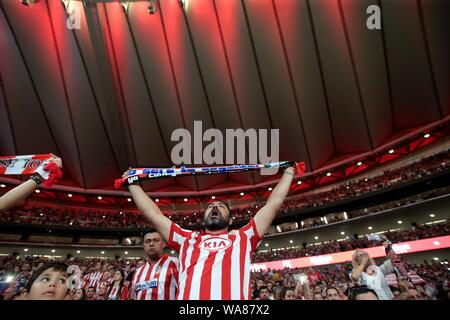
415	233
431	281
131	219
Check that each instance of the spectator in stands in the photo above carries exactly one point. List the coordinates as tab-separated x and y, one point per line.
317	296
48	282
366	272
362	293
90	293
117	290
80	294
332	293
287	294
264	293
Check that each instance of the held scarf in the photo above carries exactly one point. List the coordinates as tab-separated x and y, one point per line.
27	165
141	174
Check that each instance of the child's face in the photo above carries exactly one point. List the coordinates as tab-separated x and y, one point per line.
50	285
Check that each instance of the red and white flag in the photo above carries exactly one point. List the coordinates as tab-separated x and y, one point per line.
30	164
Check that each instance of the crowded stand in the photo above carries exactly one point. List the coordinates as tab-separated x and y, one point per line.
431	280
416	232
93	218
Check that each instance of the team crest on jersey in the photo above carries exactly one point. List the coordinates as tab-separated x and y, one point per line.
158	268
215	244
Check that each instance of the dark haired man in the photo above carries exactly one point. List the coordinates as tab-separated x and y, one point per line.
157	278
215	263
332	293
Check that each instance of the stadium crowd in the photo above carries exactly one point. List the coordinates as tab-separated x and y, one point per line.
417	232
132	219
431	280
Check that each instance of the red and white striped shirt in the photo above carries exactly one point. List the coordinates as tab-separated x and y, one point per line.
92	280
214	267
156	282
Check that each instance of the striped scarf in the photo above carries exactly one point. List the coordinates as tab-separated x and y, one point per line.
141	174
31	164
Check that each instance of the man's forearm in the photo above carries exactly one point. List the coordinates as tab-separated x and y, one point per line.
280	192
151	211
17	194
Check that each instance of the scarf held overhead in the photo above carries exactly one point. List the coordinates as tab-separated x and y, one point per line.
141	174
30	164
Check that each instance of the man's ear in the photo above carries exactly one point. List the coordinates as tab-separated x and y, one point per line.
231	221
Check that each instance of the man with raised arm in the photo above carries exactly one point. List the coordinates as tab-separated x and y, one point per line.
215	263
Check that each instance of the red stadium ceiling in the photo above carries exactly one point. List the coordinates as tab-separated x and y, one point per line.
109	95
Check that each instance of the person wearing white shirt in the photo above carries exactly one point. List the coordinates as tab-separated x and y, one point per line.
366	272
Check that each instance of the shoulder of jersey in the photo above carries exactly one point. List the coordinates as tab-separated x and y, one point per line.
173	259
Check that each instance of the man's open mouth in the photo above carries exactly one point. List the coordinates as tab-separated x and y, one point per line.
214	213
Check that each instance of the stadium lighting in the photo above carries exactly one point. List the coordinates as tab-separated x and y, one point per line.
391	151
185	199
104	217
125	6
26	249
399	221
302	223
2	185
157	200
241	194
270	189
370	228
345	215
435	258
99	197
325	220
69	195
291	241
129	199
37	191
266	244
126	252
359	163
342	232
28	3
432	215
121	213
53	250
366	179
78	251
316	237
426	136
151	7
103	252
213	197
41	214
328	174
299	182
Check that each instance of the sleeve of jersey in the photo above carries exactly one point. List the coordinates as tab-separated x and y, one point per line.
177	236
255	239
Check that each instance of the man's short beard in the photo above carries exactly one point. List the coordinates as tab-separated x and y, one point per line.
215	224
